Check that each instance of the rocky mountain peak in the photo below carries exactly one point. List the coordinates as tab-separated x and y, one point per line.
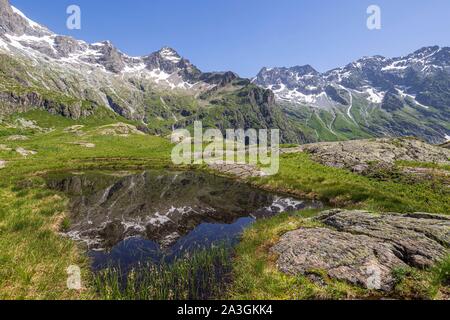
169	54
4	5
13	21
112	59
425	51
305	70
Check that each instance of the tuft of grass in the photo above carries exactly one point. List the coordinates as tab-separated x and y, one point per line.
428	284
441	275
429	165
202	275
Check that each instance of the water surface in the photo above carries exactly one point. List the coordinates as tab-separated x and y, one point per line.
127	219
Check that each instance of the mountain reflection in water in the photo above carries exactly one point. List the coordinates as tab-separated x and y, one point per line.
126	219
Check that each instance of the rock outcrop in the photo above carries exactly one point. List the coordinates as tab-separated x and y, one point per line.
25	101
360	155
242	171
84	144
365	248
24	152
119	129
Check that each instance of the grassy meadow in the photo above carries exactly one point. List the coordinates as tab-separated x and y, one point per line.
34	257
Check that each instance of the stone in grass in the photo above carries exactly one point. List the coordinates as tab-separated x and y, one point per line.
238	170
25	153
18	138
76	130
85	144
120	129
363	248
2	164
4	148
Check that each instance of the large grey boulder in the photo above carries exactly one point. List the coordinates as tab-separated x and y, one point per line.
365	248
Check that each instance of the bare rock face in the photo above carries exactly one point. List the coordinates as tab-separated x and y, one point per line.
27	101
13	23
354	258
421	238
364	248
360	155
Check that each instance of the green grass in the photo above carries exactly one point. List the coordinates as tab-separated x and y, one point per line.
341	188
424	284
34	258
414	164
202	275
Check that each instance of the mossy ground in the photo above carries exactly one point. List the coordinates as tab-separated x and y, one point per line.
34	258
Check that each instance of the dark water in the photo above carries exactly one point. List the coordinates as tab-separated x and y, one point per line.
130	219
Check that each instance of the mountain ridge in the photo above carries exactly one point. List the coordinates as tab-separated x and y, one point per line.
415	86
163	90
371	97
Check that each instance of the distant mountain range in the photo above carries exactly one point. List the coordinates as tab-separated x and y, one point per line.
374	96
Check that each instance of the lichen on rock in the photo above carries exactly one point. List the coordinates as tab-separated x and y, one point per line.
365	248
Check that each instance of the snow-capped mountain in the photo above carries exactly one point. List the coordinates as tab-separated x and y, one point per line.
371	77
21	36
415	86
162	90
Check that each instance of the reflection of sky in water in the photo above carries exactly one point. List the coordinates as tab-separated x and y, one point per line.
133	251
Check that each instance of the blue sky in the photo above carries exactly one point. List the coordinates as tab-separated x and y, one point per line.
245	35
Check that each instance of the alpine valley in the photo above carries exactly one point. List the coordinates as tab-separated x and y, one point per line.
372	97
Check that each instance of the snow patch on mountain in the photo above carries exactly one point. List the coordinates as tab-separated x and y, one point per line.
374	95
412	97
170	55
